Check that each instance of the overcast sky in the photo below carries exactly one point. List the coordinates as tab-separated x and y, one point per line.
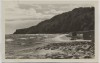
23	14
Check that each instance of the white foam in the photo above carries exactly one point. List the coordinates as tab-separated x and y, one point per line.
32	37
9	40
23	38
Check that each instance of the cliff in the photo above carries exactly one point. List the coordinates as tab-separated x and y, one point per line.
79	19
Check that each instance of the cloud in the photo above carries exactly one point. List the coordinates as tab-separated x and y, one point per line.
14	12
51	6
37	6
23	14
28	6
25	6
53	11
17	17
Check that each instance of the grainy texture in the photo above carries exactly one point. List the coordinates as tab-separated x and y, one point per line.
52	46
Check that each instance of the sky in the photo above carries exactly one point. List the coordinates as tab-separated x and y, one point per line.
23	14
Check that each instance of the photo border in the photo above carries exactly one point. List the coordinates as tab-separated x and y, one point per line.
53	60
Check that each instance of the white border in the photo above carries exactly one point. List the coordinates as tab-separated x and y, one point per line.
54	60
